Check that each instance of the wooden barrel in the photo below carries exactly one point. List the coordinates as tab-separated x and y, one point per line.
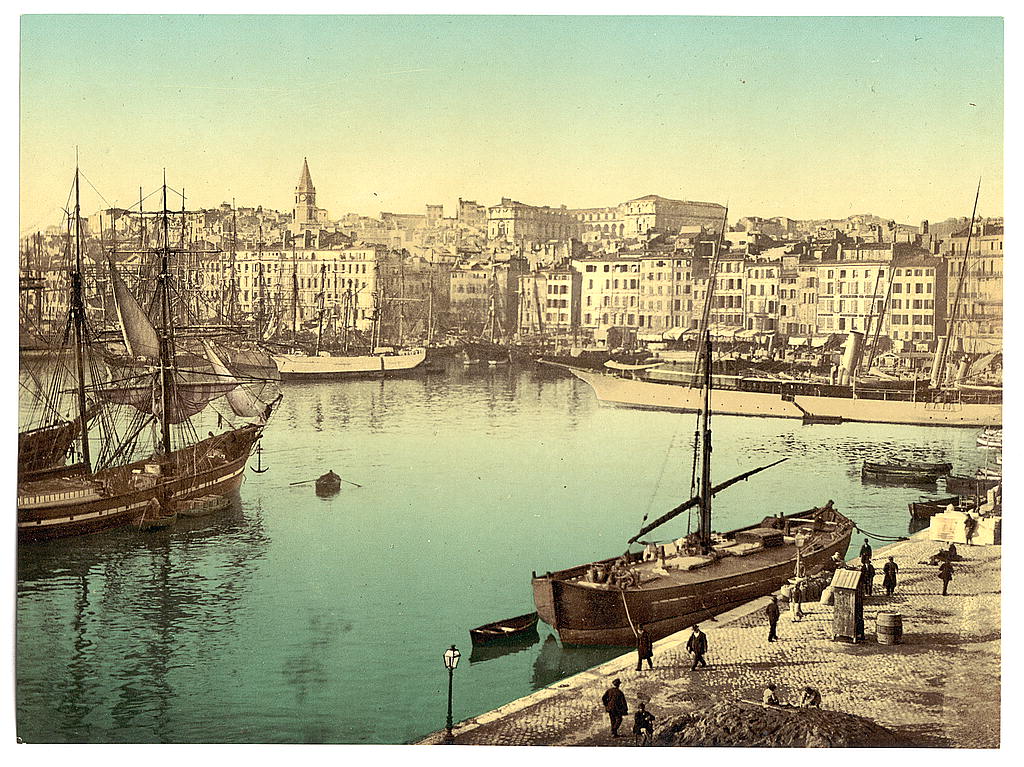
889	628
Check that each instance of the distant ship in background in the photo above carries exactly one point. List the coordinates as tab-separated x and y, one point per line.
377	359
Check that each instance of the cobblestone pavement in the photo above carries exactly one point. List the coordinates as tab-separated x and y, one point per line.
940	687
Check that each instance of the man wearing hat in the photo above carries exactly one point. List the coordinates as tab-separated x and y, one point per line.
615	704
644	648
697	645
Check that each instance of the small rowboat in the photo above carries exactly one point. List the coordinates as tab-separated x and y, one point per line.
328	484
157	521
970	486
199	507
925	509
906	472
991	438
509	629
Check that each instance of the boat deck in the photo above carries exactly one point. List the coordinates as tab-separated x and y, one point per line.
731	559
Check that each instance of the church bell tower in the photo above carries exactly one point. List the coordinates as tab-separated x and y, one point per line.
305	200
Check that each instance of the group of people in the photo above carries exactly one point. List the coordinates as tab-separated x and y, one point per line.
614	701
809	698
619	574
889	571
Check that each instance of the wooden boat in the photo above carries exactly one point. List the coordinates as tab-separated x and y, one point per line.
970	486
905	471
520	627
925	509
991	438
328	484
696	578
200	507
157	516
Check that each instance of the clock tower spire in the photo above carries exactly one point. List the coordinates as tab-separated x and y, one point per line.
305	215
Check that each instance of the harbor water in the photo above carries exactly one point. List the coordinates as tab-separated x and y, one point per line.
294	619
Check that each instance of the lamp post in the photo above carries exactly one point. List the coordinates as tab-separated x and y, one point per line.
451	660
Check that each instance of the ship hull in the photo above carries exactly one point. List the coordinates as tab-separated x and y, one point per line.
303	367
53	511
584	615
679	398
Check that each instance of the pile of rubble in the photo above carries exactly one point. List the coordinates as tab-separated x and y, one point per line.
751	724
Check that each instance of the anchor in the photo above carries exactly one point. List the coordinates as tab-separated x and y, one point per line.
259	468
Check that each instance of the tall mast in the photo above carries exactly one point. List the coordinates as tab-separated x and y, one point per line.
234	255
430	301
942	347
78	317
377	305
705	464
320	306
166	350
262	320
295	294
401	299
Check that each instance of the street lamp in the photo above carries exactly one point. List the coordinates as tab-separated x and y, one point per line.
451	660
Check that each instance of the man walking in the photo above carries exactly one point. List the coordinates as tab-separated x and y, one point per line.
615	704
644	648
865	552
889	571
945	574
697	645
771	612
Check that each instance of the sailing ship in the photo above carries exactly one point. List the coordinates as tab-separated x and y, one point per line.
694	578
489	348
119	474
377	360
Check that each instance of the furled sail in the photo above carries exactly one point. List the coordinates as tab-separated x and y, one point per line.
243	401
188	396
139	335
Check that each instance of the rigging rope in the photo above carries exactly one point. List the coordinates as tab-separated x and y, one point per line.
878	537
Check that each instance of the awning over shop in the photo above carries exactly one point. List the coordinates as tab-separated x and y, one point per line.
818	341
797	340
674	334
746	335
723	332
648	336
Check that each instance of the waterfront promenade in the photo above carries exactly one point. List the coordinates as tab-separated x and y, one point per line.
941	687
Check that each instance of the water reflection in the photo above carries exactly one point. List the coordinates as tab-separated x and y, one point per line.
555	662
481	653
143	605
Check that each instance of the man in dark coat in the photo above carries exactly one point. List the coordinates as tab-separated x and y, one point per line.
644	648
868	577
970	525
615	704
889	571
697	645
945	574
771	612
865	552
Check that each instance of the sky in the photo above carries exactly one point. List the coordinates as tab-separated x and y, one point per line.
797	116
